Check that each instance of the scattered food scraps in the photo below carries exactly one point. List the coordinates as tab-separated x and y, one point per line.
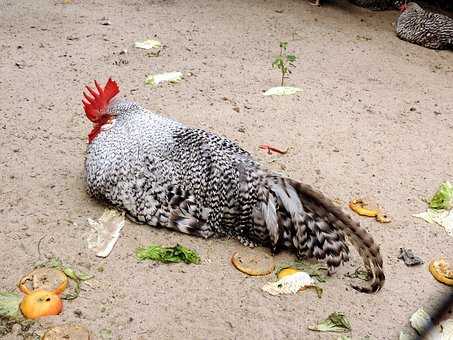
156	79
444	218
409	258
336	322
147	44
360	207
443	198
168	254
253	263
441	271
41	303
9	304
67	332
106	232
270	149
291	284
50	279
316	270
282	91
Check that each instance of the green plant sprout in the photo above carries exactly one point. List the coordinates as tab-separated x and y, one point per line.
284	61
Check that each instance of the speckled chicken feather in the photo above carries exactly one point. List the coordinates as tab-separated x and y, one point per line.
165	174
431	30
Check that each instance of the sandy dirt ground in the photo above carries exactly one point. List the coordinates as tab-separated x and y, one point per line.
374	120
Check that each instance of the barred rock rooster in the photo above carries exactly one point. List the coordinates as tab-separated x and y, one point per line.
431	30
165	174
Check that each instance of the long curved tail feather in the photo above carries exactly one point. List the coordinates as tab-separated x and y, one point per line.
295	216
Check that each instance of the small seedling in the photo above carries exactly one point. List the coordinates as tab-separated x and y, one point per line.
284	61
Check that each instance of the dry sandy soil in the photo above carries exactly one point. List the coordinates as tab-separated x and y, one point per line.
374	120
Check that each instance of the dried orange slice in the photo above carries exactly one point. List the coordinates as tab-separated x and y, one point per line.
67	332
441	271
41	303
49	279
252	263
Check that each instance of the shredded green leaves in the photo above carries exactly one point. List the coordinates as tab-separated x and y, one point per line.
174	254
336	322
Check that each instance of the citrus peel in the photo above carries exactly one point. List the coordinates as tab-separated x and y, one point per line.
254	265
441	271
41	303
360	207
48	279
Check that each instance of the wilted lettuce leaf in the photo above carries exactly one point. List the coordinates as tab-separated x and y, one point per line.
282	91
442	217
336	322
443	198
168	254
147	44
156	79
9	304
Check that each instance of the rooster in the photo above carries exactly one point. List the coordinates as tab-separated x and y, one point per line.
165	174
431	30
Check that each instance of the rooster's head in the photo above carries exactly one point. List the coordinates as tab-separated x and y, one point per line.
96	103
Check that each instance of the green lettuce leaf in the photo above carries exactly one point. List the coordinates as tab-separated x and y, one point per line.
443	198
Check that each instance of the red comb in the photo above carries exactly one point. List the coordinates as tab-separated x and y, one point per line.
96	103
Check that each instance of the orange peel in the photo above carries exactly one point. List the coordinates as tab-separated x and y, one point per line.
253	265
441	271
360	207
41	303
47	279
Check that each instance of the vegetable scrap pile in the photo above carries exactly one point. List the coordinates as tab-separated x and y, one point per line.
43	290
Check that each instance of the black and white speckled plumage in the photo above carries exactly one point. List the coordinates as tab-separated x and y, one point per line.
431	30
165	174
